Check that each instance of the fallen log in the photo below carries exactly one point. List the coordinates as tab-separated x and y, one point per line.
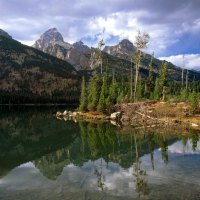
153	118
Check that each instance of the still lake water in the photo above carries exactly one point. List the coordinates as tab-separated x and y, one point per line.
48	159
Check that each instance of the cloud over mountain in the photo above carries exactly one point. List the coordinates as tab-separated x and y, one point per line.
190	61
172	25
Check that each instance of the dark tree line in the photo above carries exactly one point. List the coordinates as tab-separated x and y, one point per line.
26	97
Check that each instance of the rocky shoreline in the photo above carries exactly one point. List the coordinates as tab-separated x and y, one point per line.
113	118
143	114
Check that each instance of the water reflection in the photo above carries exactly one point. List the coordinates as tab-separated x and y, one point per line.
29	135
66	160
139	173
51	165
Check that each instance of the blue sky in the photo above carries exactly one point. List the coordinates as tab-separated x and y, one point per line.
174	26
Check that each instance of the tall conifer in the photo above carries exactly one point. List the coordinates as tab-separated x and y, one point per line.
83	98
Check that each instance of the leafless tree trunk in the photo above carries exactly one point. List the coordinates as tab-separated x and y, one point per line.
100	46
140	43
137	67
187	80
182	82
131	78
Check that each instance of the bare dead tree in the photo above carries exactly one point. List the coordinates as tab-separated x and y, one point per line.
141	43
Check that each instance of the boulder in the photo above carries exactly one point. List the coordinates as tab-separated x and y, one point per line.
114	123
116	116
75	114
65	118
65	112
70	114
58	114
193	124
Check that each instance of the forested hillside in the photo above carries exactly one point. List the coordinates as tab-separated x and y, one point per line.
28	75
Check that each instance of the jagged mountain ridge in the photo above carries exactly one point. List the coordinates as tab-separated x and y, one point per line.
28	75
116	57
52	42
125	48
122	50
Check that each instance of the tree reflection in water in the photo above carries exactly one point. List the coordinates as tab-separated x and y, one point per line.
53	144
141	183
100	177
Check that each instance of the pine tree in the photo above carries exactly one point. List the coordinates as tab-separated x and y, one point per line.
106	83
108	104
156	90
140	90
195	139
184	94
102	101
121	94
113	90
83	98
194	104
163	80
104	93
94	94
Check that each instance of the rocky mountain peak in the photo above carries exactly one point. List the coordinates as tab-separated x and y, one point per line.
79	43
126	46
48	39
5	34
121	50
126	42
81	47
52	35
52	42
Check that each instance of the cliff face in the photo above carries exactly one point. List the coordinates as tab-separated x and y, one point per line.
28	75
52	42
122	50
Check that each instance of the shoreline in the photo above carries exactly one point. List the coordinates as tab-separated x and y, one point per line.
142	114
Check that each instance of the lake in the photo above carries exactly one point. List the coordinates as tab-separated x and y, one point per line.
44	158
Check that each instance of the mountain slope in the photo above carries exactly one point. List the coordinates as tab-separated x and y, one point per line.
116	57
4	34
125	48
28	75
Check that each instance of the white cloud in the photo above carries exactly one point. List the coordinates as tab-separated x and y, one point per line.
179	149
191	61
84	19
125	25
28	42
27	165
118	24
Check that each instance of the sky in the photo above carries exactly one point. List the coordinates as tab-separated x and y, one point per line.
173	25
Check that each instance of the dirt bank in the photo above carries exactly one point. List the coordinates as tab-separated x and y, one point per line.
156	113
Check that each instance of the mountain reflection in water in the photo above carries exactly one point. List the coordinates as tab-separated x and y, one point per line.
45	158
